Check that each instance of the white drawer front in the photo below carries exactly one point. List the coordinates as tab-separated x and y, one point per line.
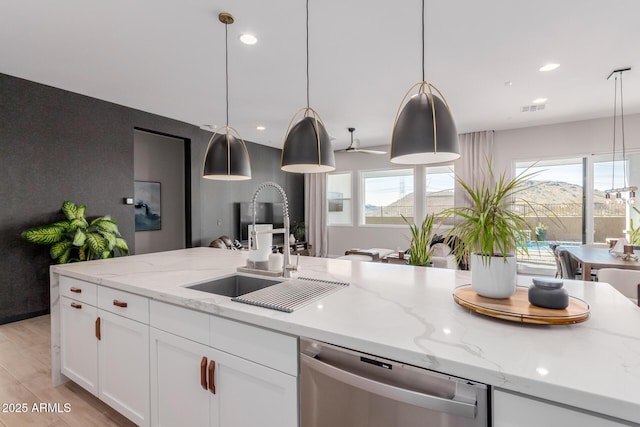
78	290
132	306
268	348
183	322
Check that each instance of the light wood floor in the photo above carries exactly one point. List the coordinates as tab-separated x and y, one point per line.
25	378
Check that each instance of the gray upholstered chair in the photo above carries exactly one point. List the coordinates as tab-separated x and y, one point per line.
567	264
627	282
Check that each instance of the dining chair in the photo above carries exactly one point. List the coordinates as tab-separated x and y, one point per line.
554	249
567	264
627	282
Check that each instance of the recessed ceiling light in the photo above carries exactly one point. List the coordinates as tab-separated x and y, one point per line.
260	127
549	67
248	39
508	83
539	100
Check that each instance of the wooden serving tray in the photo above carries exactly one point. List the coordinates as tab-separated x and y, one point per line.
518	309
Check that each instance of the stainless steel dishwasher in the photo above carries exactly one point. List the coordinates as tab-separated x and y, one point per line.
344	388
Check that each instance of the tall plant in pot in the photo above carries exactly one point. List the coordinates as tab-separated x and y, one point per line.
489	231
420	251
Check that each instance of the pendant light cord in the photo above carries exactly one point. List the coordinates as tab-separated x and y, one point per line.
226	66
613	153
624	155
307	24
423	41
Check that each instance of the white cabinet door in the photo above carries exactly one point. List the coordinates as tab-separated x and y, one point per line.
123	354
511	410
179	381
78	344
249	394
185	374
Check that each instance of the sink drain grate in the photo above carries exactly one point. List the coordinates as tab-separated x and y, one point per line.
291	294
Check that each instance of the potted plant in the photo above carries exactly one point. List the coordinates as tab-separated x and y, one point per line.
299	231
488	233
77	239
420	250
541	232
634	232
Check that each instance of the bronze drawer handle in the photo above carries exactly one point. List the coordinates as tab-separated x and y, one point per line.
98	334
203	373
76	290
212	373
120	304
74	305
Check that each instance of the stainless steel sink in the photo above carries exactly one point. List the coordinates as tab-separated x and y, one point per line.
234	285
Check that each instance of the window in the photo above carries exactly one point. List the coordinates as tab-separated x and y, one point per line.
439	187
608	219
557	195
339	204
386	194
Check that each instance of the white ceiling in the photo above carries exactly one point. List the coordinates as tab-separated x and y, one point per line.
167	57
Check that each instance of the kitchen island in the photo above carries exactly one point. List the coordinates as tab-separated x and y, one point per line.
408	314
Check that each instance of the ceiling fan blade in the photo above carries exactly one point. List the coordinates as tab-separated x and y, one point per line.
371	151
362	151
354	147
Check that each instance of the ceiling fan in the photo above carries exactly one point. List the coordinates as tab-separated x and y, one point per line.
354	147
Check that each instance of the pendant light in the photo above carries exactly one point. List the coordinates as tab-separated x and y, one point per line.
631	199
307	145
424	131
226	158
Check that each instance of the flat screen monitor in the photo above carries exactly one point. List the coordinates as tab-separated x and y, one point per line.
266	213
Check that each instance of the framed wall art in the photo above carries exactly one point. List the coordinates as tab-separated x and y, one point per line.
147	205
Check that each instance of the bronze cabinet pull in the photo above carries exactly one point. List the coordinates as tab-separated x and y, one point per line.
98	335
74	305
76	290
212	373
203	373
120	304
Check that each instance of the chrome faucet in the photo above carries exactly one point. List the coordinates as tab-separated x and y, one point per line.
253	244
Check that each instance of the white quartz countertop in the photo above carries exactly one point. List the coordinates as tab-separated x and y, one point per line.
408	314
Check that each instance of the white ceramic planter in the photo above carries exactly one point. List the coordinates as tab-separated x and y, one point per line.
494	279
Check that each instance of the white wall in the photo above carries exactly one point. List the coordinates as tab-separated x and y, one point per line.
573	139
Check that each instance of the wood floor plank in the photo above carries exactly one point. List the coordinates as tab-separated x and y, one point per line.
25	376
23	412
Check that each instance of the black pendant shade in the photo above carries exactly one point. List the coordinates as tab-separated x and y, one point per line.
424	132
307	145
307	148
226	159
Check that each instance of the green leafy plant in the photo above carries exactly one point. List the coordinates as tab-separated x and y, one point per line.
634	232
489	227
299	230
541	231
420	250
76	239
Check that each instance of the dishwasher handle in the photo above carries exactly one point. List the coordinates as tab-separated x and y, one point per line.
461	409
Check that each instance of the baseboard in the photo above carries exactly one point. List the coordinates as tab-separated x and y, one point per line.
23	316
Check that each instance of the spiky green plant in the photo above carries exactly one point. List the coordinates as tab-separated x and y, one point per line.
75	239
489	227
420	250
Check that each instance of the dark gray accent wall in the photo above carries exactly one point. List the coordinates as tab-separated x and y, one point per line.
57	145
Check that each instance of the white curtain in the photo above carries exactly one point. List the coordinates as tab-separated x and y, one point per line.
476	149
315	212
